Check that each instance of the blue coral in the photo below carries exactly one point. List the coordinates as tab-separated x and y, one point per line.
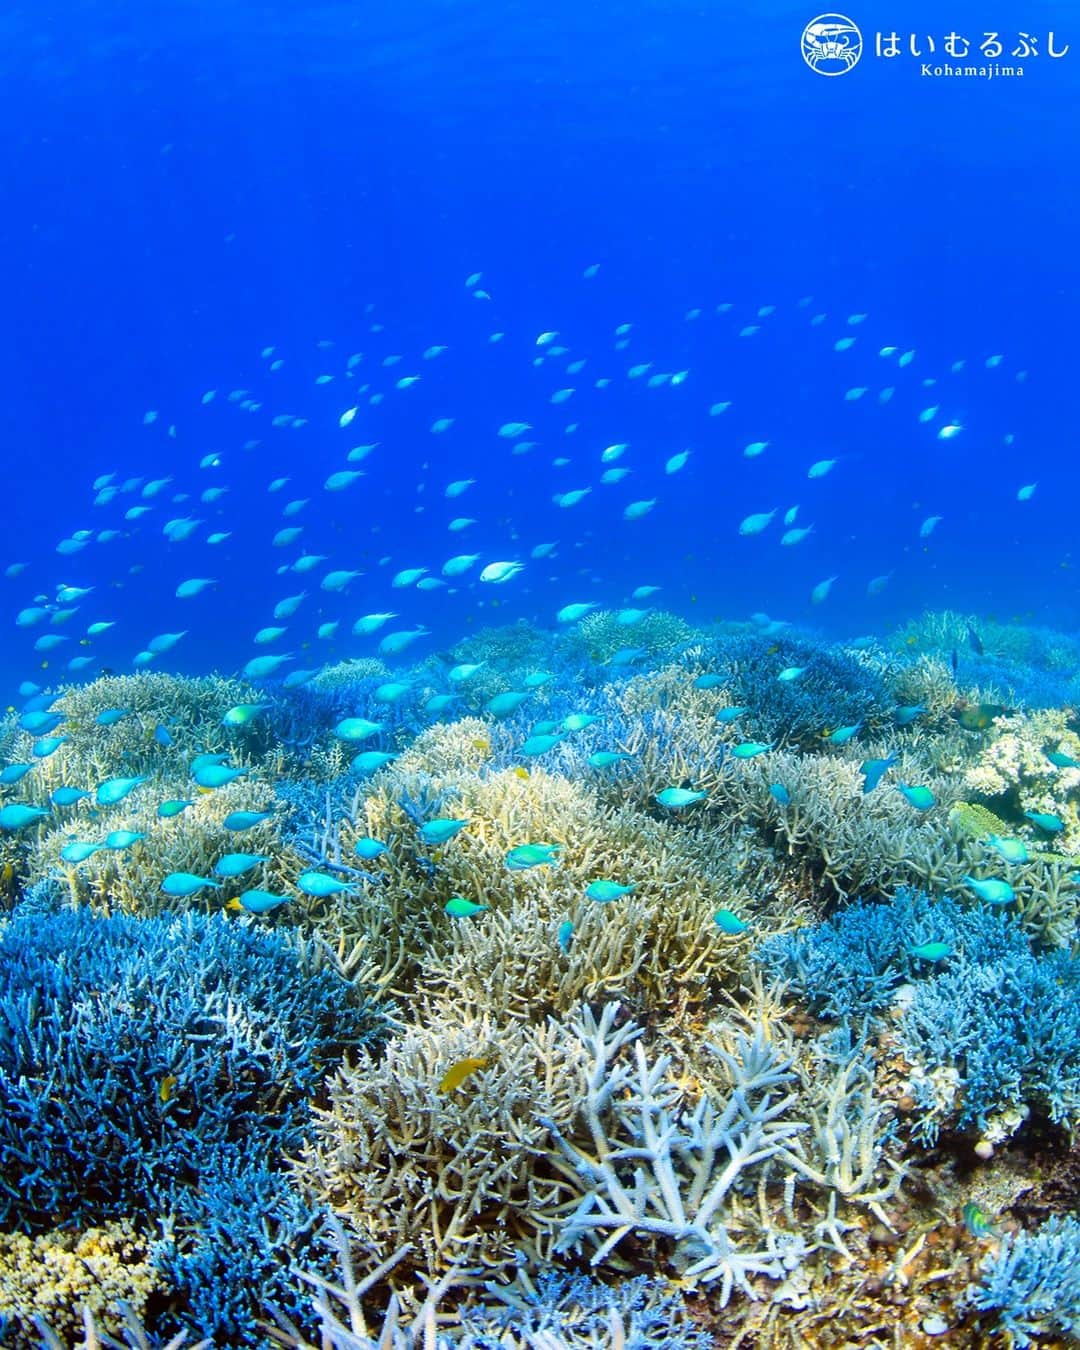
835	689
1012	1029
851	965
1032	1282
1005	1019
574	1310
136	1054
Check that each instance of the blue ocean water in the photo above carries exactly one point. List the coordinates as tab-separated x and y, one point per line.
190	184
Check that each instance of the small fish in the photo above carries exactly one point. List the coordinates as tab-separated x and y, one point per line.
991	889
606	891
708	681
114	790
368	761
441	829
844	734
1060	760
245	820
217	775
260	902
564	933
873	770
368	848
931	951
733	713
242	714
578	721
506	703
459	1072
1012	850
540	745
173	807
68	796
975	642
920	797
321	885
460	908
162	736
181	885
604	759
78	852
167	1087
779	793
790	674
1046	821
729	922
748	749
110	716
524	856
820	592
675	798
977	1221
236	864
122	839
908	713
357	729
754	524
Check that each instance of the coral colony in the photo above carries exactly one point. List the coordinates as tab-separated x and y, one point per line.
715	986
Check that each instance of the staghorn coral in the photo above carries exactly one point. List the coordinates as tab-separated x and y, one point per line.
650	1165
458	1175
989	1031
837	687
135	1054
657	942
190	708
1032	1283
57	1274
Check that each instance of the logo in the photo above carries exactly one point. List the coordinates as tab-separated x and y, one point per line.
831	44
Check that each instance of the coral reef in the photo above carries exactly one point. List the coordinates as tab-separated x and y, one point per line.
639	997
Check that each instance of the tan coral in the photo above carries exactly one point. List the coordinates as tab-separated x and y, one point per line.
454	1173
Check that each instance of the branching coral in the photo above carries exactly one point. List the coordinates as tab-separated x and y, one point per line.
128	881
1032	1283
603	633
989	1032
133	1053
654	1166
454	1174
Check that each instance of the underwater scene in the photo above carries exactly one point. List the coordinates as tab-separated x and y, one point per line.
540	743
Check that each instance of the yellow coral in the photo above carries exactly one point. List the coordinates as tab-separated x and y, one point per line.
55	1275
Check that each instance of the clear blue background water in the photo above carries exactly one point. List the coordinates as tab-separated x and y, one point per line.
185	183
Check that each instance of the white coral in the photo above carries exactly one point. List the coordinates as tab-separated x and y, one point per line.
659	1166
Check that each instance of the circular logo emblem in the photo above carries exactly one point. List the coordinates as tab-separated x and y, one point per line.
831	44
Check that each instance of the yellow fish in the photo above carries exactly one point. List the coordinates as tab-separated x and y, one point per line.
484	746
521	772
457	1073
166	1086
234	905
